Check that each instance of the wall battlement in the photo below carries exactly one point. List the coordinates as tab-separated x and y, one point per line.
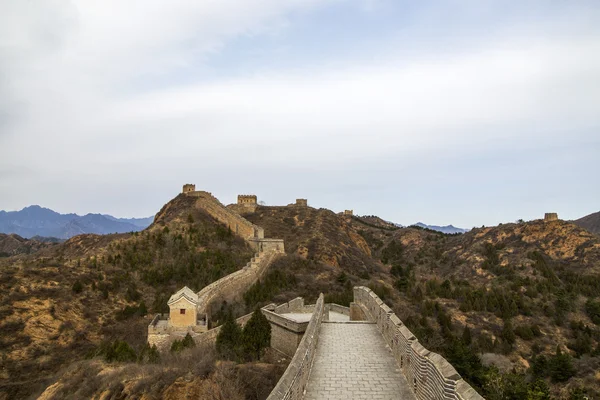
302	202
551	217
246	199
429	374
195	319
238	225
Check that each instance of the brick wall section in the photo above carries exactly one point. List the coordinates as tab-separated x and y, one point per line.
429	374
234	221
234	285
293	382
210	336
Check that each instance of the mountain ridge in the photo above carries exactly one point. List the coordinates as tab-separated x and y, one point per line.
35	220
444	229
590	222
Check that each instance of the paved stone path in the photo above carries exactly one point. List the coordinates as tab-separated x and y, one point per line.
353	362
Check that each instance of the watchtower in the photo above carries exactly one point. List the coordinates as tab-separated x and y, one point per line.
550	217
348	213
302	202
249	199
189	188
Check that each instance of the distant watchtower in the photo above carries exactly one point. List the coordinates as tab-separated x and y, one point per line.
249	199
348	213
189	188
302	202
550	217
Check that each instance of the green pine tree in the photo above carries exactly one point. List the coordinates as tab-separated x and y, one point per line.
256	335
229	338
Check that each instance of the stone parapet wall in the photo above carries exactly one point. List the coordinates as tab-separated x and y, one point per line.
293	382
210	336
264	244
234	285
429	375
339	309
286	334
238	225
294	305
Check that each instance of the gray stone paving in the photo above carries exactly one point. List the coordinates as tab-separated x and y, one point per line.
353	362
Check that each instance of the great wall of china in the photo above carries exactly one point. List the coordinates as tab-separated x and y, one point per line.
326	344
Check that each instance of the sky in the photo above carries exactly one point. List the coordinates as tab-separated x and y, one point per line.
464	112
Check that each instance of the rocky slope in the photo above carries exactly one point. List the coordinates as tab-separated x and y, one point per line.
520	289
61	303
590	222
12	244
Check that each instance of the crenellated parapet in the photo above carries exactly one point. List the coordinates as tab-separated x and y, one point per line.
429	375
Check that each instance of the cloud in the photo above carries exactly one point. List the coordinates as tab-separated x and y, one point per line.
119	97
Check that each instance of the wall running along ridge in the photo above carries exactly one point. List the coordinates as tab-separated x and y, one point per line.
230	287
238	225
293	382
429	375
235	284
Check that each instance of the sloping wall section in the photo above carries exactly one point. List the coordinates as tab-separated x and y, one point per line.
293	382
429	374
235	284
238	225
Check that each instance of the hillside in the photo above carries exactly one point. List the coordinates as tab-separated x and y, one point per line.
520	289
509	294
590	222
38	221
60	304
11	245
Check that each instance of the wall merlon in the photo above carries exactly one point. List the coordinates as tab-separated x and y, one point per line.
430	375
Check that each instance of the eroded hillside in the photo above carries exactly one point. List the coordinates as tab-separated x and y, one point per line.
521	290
60	304
495	301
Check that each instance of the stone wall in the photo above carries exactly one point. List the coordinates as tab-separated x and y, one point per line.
293	382
261	245
550	217
232	286
302	202
246	199
286	334
189	187
161	334
429	375
294	305
238	225
210	336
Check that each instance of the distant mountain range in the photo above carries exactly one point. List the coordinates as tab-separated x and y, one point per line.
39	221
590	222
444	229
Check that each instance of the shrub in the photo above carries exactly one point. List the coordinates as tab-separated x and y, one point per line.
592	308
77	287
118	350
186	343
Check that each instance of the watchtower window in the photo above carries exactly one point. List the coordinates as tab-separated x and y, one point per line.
182	311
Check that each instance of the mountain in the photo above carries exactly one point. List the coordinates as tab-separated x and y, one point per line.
590	222
12	244
495	301
141	222
444	229
39	221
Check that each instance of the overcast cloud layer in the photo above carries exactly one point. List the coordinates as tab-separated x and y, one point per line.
462	112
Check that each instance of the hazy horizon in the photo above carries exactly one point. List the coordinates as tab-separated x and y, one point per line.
451	112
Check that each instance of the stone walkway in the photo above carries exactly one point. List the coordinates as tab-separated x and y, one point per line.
353	362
